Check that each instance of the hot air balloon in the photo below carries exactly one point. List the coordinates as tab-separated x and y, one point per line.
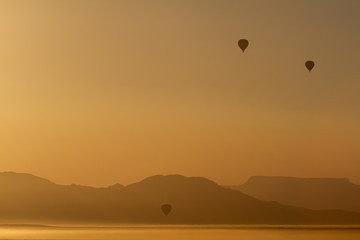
243	44
166	208
309	65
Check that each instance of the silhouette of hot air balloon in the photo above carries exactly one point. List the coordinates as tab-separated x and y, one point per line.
309	65
166	208
243	44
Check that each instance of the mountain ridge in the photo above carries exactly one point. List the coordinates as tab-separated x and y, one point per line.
195	200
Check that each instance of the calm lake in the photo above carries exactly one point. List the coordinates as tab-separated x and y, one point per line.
181	232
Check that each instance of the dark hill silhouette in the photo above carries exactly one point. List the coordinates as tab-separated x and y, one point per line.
197	200
312	193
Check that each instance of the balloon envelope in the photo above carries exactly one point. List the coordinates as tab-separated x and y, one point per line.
309	65
166	208
243	44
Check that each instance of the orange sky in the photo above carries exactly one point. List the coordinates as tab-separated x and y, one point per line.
99	92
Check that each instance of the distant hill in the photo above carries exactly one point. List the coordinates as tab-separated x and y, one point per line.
195	200
312	193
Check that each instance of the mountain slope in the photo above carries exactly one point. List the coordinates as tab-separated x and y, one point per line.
312	193
194	201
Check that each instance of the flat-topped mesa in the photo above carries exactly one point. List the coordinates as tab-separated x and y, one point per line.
313	193
281	179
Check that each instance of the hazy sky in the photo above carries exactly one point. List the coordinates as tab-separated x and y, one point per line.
99	92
